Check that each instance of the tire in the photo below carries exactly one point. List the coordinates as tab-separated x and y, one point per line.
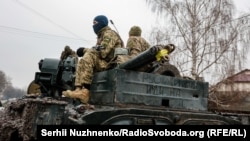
168	70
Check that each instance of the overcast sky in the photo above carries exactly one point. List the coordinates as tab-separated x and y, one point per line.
31	30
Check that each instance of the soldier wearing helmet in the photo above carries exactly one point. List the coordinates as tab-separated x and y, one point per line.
135	45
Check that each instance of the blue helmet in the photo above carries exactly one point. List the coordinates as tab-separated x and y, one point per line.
102	21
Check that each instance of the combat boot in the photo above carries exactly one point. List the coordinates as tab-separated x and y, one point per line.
81	94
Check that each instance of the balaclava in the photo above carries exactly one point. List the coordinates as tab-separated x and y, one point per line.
102	22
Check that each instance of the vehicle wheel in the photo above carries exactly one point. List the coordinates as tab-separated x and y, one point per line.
168	70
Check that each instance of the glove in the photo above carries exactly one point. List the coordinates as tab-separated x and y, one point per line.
98	48
79	51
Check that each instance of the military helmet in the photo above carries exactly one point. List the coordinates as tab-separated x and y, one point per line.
135	31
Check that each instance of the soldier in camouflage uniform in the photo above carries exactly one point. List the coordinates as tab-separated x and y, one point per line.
67	52
135	45
94	59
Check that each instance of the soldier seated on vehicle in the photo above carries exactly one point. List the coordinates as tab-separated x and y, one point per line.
136	44
67	52
94	59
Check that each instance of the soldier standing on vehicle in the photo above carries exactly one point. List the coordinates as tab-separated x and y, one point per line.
95	59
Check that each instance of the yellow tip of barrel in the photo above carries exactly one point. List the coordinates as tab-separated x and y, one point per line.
161	53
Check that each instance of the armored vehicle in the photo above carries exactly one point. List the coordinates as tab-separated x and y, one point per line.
121	95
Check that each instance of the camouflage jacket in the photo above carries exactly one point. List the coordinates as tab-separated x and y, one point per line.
109	40
136	45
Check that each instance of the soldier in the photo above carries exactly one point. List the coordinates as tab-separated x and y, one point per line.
94	59
135	45
67	52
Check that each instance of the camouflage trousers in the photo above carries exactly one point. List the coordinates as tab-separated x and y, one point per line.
87	65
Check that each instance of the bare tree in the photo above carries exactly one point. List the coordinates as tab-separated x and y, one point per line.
11	92
206	34
3	81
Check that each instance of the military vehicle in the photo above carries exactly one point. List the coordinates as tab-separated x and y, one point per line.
121	95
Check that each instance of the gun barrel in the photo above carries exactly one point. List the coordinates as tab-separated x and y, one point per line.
142	59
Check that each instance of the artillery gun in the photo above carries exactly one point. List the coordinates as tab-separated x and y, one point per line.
119	96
